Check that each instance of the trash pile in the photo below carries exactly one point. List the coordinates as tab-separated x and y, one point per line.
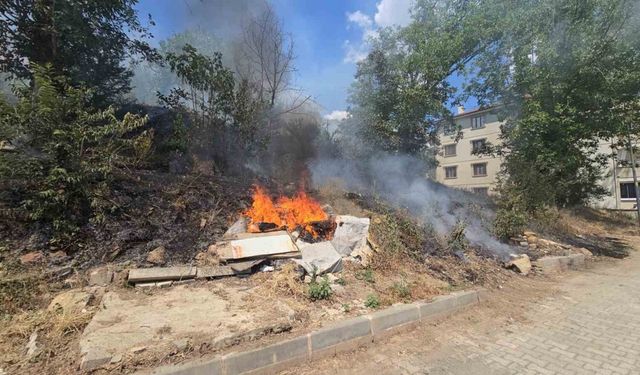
252	245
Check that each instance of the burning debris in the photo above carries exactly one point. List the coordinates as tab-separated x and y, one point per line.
272	231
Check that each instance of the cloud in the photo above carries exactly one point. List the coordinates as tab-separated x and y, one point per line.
354	53
393	12
336	115
388	13
360	19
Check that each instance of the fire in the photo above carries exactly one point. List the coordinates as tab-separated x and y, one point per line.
263	210
288	212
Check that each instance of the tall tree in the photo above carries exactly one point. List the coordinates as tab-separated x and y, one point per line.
86	40
560	67
402	90
267	55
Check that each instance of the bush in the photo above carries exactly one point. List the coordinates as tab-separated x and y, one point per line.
66	152
509	223
319	290
372	301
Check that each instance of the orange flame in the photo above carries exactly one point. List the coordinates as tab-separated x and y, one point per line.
263	209
288	212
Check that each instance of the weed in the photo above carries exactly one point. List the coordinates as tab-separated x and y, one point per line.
341	281
372	301
401	289
346	307
366	275
319	290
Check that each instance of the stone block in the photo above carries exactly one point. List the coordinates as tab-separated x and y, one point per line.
340	332
439	307
239	363
466	298
138	275
393	316
210	367
94	359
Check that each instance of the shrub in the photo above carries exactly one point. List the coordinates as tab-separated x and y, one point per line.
66	151
319	290
509	223
372	301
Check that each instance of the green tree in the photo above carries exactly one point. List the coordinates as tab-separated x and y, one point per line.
63	152
402	91
560	68
85	40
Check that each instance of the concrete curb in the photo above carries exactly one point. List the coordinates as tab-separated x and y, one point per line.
560	263
328	341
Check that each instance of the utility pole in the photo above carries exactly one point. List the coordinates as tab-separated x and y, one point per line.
633	171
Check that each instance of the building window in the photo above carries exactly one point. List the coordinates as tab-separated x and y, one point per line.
478	145
479	169
477	122
450	150
480	190
451	172
627	190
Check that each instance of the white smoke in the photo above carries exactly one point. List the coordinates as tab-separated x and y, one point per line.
395	178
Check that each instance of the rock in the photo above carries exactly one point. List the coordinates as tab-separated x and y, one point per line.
116	359
532	239
520	263
93	359
524	243
32	258
320	258
363	255
533	246
181	344
584	251
240	226
70	302
58	256
32	345
100	277
157	255
351	234
529	233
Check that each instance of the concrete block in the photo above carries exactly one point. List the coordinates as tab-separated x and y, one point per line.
94	359
210	367
340	332
342	347
466	298
439	307
270	356
393	316
577	260
138	275
549	264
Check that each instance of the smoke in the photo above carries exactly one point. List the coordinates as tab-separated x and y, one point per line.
398	180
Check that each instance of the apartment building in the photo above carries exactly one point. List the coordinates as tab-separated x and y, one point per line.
459	167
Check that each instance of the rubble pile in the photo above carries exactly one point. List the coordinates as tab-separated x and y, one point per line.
533	245
269	235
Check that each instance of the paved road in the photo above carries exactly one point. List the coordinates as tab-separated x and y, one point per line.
589	324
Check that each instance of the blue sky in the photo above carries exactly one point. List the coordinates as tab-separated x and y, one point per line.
328	34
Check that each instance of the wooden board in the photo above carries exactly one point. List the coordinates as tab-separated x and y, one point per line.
138	275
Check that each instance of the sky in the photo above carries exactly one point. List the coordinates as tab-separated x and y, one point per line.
329	35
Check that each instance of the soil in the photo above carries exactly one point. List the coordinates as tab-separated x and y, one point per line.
187	213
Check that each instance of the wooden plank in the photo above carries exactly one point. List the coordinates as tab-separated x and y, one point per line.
138	275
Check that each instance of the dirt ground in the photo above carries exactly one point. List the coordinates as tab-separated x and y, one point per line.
392	277
567	323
